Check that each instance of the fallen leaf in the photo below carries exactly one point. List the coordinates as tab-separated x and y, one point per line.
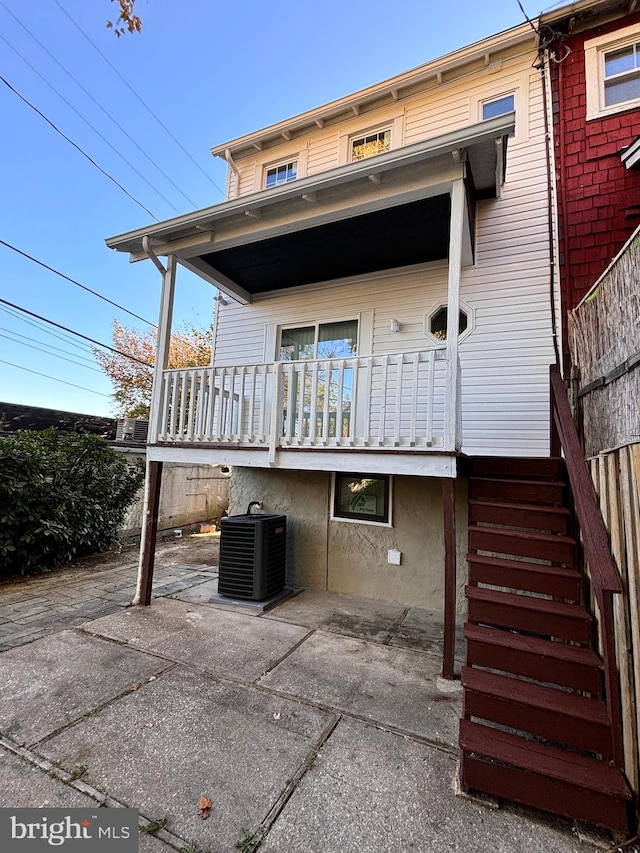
135	686
204	807
22	743
149	725
277	715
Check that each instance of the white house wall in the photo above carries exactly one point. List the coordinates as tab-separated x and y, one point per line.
505	358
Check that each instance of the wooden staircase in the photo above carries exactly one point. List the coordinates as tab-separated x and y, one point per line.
536	725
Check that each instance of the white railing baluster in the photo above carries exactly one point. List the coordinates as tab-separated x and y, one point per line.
384	366
325	408
174	407
354	401
430	392
162	434
414	399
398	418
313	404
252	404
228	430
300	430
191	385
339	402
276	412
183	405
211	402
367	401
221	405
264	372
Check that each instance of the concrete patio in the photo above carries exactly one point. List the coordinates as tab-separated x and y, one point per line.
320	725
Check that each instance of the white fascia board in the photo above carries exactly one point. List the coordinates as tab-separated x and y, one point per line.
521	34
182	226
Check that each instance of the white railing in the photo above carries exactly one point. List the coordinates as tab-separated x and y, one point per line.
364	401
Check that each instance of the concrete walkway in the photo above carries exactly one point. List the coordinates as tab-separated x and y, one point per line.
320	726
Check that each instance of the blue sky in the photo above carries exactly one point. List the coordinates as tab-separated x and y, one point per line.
210	71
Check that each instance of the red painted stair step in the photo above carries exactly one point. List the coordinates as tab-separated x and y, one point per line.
533	516
528	613
557	715
520	491
523	468
557	581
532	657
519	543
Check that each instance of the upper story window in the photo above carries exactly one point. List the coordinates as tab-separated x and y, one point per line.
622	75
281	174
612	68
372	143
498	107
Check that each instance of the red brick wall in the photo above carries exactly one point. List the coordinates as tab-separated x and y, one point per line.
599	199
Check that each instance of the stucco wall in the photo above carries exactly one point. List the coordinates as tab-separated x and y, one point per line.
189	494
351	558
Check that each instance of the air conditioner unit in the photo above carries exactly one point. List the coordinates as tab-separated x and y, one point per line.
132	429
252	556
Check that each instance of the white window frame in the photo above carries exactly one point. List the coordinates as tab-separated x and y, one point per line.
287	155
375	132
354	130
340	518
292	161
316	324
519	88
594	53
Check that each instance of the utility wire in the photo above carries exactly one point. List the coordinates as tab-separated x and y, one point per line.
93	292
79	334
49	346
77	147
55	355
88	123
100	107
133	91
41	327
73	281
55	378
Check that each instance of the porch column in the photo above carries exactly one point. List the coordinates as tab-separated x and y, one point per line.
452	437
153	477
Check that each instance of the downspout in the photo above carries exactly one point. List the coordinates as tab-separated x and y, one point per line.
233	167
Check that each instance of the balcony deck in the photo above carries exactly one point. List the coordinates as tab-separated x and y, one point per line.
327	411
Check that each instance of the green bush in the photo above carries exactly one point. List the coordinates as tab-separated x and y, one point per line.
62	495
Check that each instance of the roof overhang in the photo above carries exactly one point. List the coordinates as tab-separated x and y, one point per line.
387	211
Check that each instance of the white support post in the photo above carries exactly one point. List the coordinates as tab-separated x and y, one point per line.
452	437
162	348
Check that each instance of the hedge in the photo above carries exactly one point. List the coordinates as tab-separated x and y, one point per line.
62	495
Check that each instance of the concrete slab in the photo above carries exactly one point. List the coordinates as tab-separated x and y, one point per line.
388	685
372	791
231	644
341	614
53	681
423	631
185	735
24	786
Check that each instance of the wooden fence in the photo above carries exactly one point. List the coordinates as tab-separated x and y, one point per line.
616	478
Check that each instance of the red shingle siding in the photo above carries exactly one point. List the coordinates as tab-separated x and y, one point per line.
599	199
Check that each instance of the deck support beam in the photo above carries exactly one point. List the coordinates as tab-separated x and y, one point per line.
150	514
153	477
449	631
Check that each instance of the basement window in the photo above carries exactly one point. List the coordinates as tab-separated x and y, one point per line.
362	498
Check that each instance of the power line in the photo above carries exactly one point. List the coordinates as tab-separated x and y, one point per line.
41	327
77	147
133	91
55	378
89	95
45	344
55	355
73	281
79	334
93	292
88	123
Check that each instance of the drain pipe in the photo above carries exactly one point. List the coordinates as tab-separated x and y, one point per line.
233	167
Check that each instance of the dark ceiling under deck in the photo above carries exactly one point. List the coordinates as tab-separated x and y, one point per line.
411	233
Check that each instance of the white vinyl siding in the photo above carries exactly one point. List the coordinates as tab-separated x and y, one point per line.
505	358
